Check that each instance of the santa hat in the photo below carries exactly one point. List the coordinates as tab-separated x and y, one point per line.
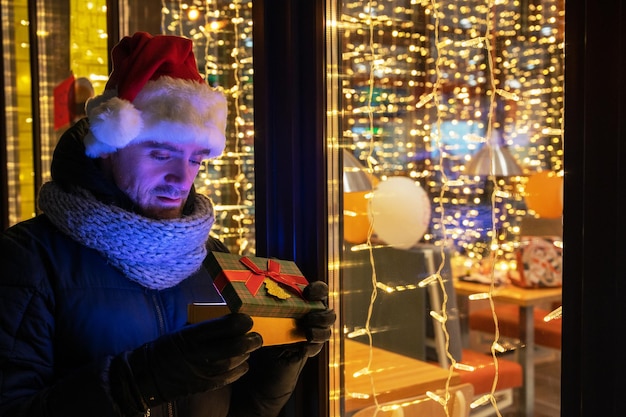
155	93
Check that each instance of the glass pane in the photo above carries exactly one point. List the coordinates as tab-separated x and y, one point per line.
448	116
15	52
72	65
69	62
222	36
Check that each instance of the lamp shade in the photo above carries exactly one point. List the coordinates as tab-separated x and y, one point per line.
355	177
357	187
493	158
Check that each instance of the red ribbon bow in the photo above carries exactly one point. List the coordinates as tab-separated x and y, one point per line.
273	273
253	279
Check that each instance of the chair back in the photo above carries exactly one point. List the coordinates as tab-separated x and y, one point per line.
424	406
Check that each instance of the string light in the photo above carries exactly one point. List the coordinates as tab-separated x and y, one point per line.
479	296
431	279
553	315
441	400
437	87
481	401
370	166
463	367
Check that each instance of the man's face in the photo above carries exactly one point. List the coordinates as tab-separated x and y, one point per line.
157	176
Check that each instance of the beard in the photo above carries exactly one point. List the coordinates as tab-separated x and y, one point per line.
159	203
160	213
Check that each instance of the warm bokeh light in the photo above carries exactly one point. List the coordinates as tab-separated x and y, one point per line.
494	69
222	35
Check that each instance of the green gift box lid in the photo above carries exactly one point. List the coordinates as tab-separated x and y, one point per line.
260	286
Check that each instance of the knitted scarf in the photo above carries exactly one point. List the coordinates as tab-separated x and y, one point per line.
157	254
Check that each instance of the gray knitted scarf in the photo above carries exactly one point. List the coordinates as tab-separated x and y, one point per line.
157	254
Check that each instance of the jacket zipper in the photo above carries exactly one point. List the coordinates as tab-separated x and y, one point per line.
161	326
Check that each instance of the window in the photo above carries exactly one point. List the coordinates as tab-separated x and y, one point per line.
449	123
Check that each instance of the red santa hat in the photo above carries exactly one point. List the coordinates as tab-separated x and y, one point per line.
155	93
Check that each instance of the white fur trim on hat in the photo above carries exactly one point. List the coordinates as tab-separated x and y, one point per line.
167	109
114	122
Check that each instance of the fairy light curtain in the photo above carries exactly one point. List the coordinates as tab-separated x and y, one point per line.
424	137
425	86
222	35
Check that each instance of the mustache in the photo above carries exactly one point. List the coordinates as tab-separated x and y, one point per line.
170	191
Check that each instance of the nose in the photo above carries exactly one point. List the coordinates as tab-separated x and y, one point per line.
180	173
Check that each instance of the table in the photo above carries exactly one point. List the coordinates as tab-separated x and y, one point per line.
394	376
526	299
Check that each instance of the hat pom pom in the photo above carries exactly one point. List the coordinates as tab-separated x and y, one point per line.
114	123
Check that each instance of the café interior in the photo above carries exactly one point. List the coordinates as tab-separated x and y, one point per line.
441	137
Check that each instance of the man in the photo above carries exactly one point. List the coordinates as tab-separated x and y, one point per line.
94	292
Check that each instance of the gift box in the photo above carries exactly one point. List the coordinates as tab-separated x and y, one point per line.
539	263
269	290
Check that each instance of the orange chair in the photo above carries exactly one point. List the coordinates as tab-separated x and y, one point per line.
479	371
424	406
547	334
481	377
479	368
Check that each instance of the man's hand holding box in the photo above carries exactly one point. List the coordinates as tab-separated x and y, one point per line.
285	308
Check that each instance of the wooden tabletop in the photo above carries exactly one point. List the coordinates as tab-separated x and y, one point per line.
392	376
510	293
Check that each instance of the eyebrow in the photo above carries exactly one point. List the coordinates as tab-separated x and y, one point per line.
172	148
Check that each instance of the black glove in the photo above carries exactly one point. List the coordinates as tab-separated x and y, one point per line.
274	370
317	325
197	358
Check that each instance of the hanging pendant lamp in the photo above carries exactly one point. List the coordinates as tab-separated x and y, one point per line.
355	177
493	158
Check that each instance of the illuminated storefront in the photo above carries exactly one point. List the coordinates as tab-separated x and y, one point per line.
353	147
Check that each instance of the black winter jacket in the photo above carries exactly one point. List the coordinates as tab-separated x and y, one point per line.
65	313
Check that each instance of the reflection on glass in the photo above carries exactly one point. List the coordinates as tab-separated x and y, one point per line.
222	35
41	97
425	91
